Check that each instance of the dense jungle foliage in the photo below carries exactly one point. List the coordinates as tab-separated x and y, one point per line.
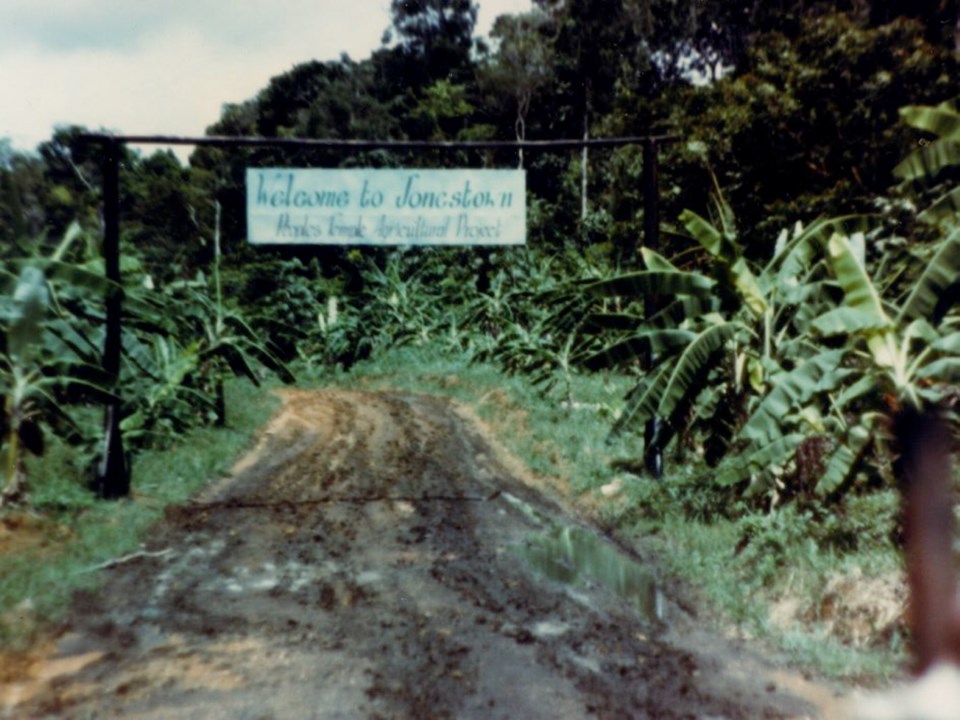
803	284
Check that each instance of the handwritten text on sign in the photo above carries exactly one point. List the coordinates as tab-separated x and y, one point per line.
386	207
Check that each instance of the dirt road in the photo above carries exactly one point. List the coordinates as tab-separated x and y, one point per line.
375	557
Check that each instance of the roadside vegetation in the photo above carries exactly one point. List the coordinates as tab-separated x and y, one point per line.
728	398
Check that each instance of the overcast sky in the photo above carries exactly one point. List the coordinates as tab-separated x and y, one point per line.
151	66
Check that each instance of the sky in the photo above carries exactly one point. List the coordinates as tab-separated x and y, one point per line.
166	67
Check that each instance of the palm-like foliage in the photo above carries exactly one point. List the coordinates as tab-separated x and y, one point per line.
934	158
38	369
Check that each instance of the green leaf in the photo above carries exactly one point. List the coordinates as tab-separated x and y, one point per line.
945	210
272	363
675	376
637	346
948	344
866	384
742	466
848	321
640	406
942	121
790	391
746	284
72	233
929	161
943	370
796	256
77	277
656	262
844	462
683	309
31	301
637	284
861	295
237	361
704	232
941	272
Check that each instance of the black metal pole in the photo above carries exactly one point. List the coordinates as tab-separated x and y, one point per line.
653	454
358	145
113	476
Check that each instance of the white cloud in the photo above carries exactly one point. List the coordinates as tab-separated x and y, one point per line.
135	67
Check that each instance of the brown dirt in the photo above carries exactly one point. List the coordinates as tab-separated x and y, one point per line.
362	562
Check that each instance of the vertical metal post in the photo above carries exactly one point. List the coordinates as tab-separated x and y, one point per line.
113	475
651	196
653	454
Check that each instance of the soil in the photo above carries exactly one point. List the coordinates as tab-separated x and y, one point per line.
365	561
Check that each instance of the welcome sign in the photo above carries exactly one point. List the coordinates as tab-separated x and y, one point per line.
386	207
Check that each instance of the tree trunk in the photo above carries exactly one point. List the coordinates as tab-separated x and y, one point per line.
584	160
924	470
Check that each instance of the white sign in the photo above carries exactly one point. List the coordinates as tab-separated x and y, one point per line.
386	207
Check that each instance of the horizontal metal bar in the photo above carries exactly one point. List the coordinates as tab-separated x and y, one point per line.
356	145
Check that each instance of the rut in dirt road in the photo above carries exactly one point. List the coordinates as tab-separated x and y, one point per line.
364	562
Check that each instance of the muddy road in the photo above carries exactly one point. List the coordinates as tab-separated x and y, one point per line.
377	557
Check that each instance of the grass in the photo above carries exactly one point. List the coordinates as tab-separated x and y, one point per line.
790	561
68	531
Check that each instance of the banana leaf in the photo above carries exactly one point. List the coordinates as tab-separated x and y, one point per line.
659	342
638	284
747	286
681	309
655	262
704	232
844	462
599	322
943	370
861	295
674	377
790	391
942	120
945	210
848	321
743	465
929	161
941	272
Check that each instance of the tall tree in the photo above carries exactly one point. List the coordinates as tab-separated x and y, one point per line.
434	39
523	62
596	43
940	17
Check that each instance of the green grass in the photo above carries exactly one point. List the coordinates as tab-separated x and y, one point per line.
791	556
73	531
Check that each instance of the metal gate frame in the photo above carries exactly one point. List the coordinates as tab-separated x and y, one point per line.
113	472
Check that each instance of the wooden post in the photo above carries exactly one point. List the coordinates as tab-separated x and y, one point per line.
113	476
653	454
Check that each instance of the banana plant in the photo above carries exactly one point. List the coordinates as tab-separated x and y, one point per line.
728	339
910	351
32	377
934	157
901	351
893	357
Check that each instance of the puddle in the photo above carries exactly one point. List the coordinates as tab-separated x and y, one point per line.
576	556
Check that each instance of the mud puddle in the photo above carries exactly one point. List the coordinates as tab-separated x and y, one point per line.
578	558
375	557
